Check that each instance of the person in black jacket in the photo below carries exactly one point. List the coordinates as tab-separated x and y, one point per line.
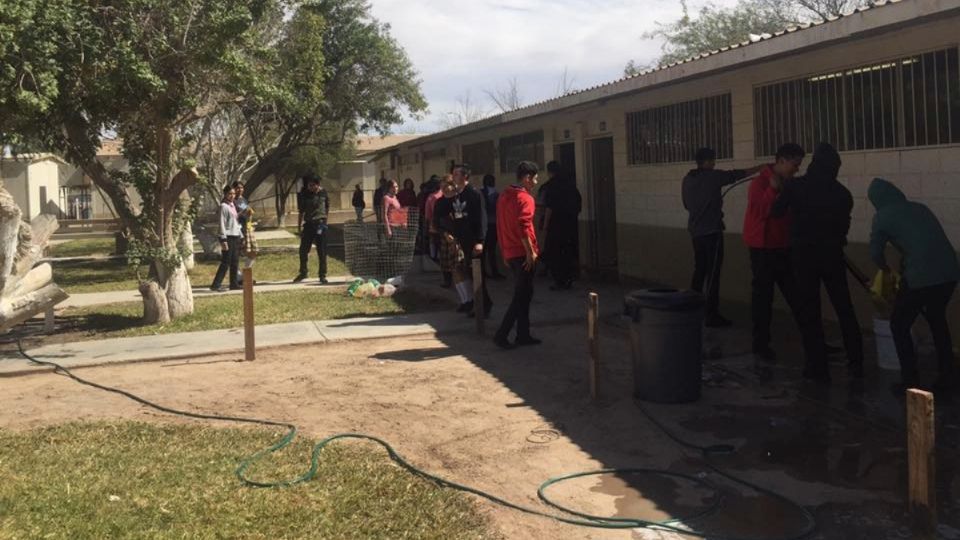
358	203
468	210
821	208
702	194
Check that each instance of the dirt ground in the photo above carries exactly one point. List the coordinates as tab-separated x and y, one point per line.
506	421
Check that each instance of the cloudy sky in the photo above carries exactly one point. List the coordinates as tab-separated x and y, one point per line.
476	45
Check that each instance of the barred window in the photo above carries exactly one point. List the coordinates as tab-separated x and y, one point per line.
439	153
481	157
524	147
911	101
673	133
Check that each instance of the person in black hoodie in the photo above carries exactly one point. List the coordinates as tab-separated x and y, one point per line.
821	207
468	212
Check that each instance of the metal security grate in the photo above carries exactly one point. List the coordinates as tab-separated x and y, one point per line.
911	101
524	147
369	253
673	133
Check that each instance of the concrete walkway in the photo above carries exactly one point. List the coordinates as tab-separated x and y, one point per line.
548	309
113	297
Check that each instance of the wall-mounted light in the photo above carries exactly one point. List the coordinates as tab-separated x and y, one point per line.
566	134
603	126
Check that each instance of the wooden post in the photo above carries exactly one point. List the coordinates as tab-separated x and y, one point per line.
478	294
49	321
249	347
593	337
921	460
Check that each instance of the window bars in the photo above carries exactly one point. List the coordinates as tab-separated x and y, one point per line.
673	133
907	102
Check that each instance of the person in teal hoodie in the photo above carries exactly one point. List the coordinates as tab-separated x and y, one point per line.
930	274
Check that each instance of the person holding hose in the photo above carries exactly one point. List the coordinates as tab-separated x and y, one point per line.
702	192
821	208
930	275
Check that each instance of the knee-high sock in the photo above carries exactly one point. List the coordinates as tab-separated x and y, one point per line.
468	289
461	292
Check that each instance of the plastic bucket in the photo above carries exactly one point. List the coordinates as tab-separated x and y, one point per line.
886	350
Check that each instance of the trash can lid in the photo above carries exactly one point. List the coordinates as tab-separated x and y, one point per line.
662	300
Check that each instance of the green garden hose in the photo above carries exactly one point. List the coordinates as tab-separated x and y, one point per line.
573	517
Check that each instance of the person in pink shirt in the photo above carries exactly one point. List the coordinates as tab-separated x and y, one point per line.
393	211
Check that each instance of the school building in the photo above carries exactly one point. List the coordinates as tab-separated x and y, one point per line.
881	84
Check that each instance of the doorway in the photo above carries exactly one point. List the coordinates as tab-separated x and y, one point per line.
567	156
603	203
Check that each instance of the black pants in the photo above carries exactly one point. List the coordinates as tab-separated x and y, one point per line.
771	267
308	238
229	261
931	302
812	267
519	310
708	259
467	248
490	253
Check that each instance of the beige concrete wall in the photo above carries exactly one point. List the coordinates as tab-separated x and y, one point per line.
14	176
653	243
44	174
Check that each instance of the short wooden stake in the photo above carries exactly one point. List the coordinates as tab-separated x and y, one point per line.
593	337
478	294
249	346
49	320
921	460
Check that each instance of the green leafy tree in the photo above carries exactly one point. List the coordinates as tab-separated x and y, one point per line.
716	27
350	77
154	72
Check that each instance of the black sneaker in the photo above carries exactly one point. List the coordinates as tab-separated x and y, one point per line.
466	307
323	281
503	343
717	321
527	341
299	278
218	289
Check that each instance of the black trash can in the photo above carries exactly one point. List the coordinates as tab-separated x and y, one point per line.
666	333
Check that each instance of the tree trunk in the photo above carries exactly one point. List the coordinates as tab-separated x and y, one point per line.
9	235
41	229
186	244
32	281
14	311
155	310
179	293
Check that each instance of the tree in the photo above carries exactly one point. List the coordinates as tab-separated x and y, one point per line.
157	73
506	98
716	27
566	83
465	112
354	79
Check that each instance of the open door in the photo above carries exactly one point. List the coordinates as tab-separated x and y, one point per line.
603	204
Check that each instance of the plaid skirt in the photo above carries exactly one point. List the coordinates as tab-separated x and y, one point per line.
451	255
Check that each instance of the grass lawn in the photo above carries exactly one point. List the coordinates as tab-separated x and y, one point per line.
116	275
123	480
226	311
83	248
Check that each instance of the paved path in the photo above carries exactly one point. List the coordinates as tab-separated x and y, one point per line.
113	297
547	311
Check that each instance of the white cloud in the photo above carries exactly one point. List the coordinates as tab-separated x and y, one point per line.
458	45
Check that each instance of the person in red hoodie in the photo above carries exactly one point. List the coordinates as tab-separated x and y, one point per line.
518	245
768	239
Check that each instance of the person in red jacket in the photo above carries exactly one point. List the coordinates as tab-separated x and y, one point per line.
518	245
768	239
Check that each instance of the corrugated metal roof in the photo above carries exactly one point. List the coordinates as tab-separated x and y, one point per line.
493	120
